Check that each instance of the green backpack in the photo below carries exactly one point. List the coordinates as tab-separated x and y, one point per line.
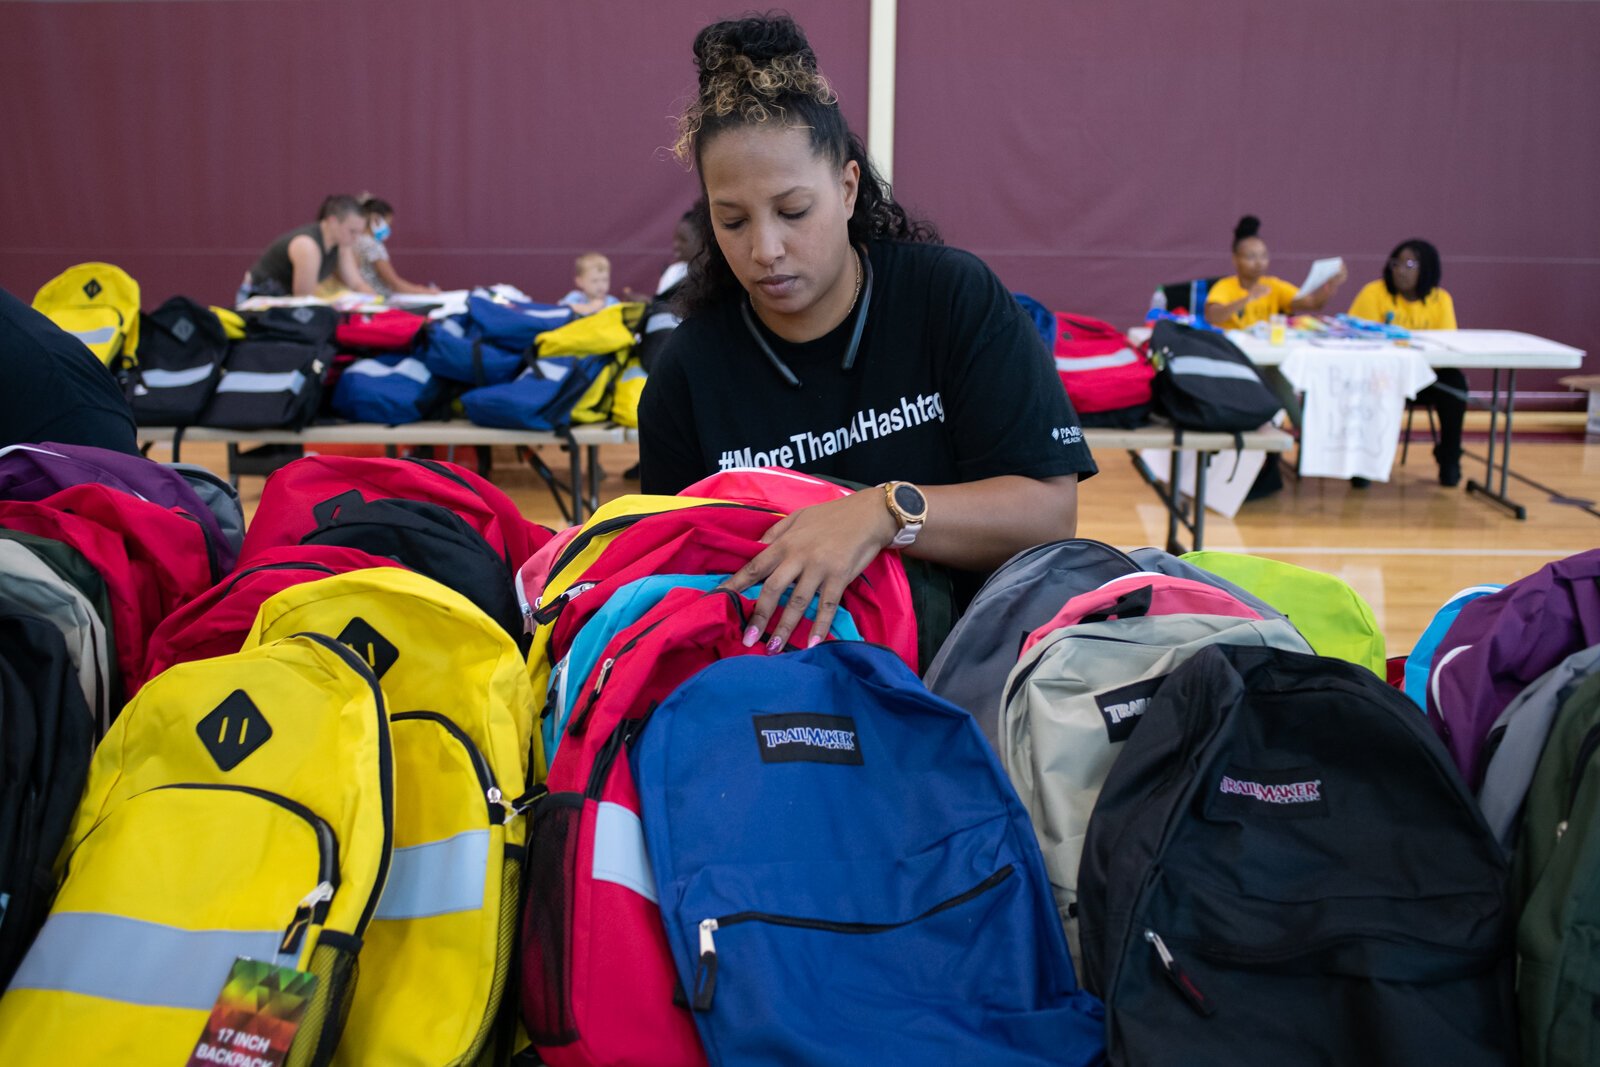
1555	880
1333	618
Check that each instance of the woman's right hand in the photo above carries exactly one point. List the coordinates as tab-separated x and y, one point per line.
1257	291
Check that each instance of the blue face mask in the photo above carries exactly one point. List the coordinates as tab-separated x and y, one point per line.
381	231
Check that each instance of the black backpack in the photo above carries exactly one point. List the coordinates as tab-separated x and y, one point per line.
308	324
1204	382
1283	867
269	385
436	543
46	738
181	349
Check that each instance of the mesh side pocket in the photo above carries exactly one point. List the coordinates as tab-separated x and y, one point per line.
497	1023
547	920
334	962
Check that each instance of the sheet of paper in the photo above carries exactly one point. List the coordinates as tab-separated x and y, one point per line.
1320	272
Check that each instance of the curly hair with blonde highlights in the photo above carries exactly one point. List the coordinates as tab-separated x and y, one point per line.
760	69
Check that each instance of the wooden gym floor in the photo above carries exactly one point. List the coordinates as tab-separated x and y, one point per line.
1405	545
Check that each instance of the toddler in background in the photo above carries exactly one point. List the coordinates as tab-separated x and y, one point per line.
592	276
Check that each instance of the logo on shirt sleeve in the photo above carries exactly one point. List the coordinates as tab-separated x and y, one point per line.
1067	435
802	738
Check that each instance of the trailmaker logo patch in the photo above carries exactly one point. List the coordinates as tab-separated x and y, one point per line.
1295	793
802	738
1123	708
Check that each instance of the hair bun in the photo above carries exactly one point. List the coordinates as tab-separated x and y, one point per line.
759	39
1249	226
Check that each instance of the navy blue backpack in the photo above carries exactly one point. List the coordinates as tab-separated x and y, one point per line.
514	324
456	350
541	398
846	875
391	390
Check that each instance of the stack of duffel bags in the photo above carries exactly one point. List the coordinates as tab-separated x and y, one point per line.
802	857
529	366
325	764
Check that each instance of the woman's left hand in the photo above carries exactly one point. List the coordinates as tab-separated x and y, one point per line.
817	551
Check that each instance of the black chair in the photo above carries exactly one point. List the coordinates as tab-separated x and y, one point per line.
1411	414
1190	294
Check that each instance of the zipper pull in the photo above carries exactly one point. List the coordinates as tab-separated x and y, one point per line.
1561	829
1176	974
497	800
303	915
705	974
579	722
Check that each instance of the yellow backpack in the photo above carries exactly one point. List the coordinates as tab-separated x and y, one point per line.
607	330
614	394
99	305
238	807
437	956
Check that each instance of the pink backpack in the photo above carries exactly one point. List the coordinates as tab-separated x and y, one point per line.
301	496
778	488
216	622
1142	593
598	981
1100	370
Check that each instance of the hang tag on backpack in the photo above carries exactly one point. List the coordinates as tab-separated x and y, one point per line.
256	1016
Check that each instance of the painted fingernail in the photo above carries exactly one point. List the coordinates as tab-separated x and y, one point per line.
750	636
816	639
775	645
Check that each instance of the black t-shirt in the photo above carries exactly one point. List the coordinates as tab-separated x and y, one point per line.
55	388
951	384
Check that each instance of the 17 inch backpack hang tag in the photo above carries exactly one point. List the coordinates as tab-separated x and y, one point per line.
256	1016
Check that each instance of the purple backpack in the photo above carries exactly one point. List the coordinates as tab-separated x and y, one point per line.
1502	643
35	471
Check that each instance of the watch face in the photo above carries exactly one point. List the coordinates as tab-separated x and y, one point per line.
909	499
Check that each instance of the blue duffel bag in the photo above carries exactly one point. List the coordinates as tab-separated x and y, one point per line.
513	324
541	398
386	389
846	875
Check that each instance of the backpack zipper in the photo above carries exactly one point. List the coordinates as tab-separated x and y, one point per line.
499	809
314	907
1177	976
705	975
285	566
1586	751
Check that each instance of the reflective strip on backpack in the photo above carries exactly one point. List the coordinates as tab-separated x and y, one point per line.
98	336
136	962
176	379
408	368
619	851
1206	367
250	381
436	878
1125	357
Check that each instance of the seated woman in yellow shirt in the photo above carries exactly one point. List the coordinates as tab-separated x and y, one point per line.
1251	294
1409	295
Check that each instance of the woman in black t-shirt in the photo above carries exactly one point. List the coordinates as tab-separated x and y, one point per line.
827	332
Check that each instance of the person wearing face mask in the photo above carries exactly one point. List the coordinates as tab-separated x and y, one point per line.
301	261
1409	295
827	331
372	257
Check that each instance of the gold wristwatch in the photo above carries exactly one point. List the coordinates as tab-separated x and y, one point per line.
909	508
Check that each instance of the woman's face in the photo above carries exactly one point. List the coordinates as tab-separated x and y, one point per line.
1404	270
1250	258
779	212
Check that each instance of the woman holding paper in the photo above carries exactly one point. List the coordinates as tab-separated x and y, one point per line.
1251	294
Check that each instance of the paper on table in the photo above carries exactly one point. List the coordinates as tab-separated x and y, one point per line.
1320	272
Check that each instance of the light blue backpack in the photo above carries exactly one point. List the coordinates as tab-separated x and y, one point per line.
1421	657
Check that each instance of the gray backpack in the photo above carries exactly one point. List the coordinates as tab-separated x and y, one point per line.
1517	739
1075	697
29	587
971	666
220	498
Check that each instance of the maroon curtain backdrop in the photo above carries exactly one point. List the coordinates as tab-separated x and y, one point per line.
1092	150
1088	150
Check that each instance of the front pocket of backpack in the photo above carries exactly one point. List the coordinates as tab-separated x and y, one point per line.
552	868
159	900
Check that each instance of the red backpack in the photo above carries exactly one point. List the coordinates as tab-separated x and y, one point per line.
305	494
216	622
598	981
390	330
1143	593
153	559
1106	378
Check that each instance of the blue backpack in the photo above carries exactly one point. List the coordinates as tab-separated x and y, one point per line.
1420	661
626	607
386	389
458	351
541	398
514	324
845	874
